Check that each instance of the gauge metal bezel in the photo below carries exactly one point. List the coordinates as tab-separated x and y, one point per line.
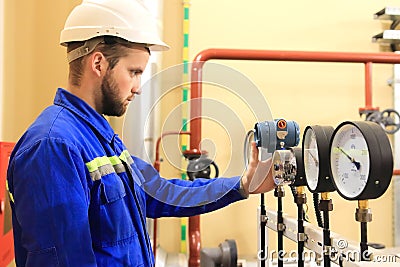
380	159
323	135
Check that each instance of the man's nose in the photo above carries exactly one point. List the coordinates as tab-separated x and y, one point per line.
136	88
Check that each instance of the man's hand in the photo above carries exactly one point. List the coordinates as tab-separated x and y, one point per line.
258	176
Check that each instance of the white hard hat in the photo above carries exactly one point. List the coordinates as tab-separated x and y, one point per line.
127	19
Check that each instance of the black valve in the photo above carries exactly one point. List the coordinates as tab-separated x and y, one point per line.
389	119
200	167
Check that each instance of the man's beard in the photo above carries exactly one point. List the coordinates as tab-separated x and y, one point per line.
112	105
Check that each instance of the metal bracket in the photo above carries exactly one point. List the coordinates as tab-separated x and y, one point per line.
264	218
281	227
301	237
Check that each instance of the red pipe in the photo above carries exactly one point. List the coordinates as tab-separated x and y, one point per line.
270	55
157	162
156	166
368	85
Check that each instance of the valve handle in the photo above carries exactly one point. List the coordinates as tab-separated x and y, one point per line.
200	168
389	119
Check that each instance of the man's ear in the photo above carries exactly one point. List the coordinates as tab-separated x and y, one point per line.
98	63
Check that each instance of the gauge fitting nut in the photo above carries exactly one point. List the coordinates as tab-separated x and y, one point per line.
363	215
301	199
325	204
279	191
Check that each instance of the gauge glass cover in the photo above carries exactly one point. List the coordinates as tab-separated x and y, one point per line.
350	161
311	159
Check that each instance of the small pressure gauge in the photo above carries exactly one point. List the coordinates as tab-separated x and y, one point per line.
283	166
316	158
300	177
361	160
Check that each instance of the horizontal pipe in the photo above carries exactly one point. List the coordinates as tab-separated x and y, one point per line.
273	55
309	56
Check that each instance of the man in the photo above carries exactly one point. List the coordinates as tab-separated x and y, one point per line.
78	197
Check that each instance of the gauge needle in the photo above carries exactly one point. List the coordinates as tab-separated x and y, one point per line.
315	160
356	163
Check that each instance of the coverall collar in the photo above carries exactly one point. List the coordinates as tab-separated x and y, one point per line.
82	109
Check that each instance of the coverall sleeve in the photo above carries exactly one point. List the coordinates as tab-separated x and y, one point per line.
180	198
50	206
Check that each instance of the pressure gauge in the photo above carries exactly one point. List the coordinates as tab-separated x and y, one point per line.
361	160
300	177
316	158
283	166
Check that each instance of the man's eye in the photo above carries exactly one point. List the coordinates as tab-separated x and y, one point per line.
136	72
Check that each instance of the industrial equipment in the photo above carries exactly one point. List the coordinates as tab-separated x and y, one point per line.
275	137
361	163
223	256
316	167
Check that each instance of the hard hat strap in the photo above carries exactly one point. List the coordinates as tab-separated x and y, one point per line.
85	49
91	44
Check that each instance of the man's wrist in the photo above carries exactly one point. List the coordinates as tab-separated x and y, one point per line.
242	190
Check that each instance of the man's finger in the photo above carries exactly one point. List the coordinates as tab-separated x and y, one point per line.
254	151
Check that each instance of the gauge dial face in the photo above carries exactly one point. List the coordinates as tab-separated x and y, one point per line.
350	161
311	158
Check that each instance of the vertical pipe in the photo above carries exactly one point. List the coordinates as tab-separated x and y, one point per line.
326	206
300	200
195	139
195	104
157	166
194	241
300	230
364	241
368	85
185	93
327	239
263	225
280	233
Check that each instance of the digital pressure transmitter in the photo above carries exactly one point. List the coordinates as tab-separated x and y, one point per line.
277	134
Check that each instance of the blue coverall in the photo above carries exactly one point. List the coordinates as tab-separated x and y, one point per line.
80	199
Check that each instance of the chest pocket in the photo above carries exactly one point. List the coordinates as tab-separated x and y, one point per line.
110	219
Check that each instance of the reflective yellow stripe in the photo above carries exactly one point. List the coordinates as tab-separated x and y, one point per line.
115	160
104	165
125	156
9	193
